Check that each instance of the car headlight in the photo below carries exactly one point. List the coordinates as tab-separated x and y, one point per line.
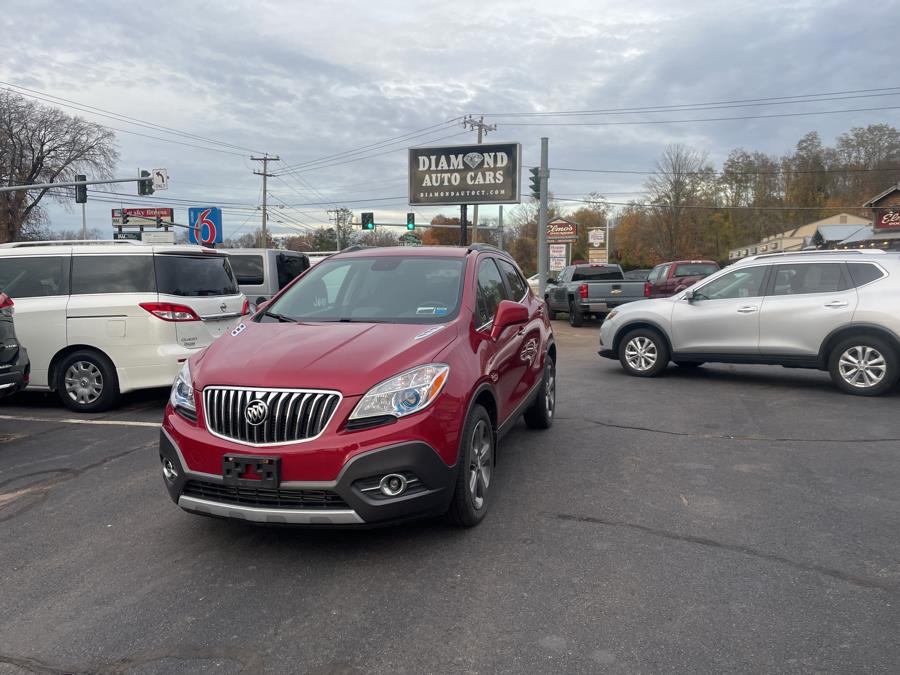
182	396
410	391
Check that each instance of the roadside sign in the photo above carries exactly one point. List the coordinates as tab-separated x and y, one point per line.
160	179
560	230
135	236
488	173
142	217
205	225
157	237
557	250
410	240
597	255
597	237
557	264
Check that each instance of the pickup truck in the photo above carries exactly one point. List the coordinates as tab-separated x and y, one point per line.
590	289
669	278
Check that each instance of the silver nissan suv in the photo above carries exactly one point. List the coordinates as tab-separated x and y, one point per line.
832	310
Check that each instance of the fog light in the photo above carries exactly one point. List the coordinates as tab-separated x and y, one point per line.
392	485
169	470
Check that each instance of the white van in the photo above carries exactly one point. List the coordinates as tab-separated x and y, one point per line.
262	272
103	318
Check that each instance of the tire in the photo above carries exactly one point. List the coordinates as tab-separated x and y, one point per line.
879	370
689	364
576	318
551	313
643	353
470	504
540	413
86	382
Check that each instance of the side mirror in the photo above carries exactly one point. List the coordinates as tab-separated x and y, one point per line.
508	314
551	280
261	304
689	295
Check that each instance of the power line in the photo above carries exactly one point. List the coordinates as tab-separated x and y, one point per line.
712	207
729	173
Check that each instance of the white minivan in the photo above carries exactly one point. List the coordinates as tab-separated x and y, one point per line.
103	318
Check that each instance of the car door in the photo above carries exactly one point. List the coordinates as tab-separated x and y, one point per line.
39	286
500	358
530	362
805	301
723	315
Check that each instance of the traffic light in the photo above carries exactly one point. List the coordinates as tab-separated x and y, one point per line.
80	190
535	182
368	221
124	217
158	221
410	221
145	184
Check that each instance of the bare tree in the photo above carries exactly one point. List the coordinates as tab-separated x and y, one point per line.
41	144
683	179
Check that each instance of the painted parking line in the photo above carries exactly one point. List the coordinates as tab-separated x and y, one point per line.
68	420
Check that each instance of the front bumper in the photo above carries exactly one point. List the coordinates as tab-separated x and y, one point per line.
14	376
349	500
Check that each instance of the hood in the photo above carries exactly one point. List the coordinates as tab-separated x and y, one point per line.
348	357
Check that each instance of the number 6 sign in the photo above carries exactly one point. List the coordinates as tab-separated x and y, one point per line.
205	225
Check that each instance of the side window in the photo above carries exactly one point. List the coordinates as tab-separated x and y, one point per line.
490	291
289	267
248	269
654	274
743	283
664	272
864	273
566	275
34	276
113	274
801	278
516	284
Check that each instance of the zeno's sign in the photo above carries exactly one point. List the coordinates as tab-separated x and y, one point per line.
887	220
465	174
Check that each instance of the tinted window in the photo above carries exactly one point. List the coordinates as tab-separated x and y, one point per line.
654	273
34	277
248	269
695	270
112	274
636	275
516	284
864	273
193	276
743	283
289	267
663	273
490	291
597	273
802	278
381	289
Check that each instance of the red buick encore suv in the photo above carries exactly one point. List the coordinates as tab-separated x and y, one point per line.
373	389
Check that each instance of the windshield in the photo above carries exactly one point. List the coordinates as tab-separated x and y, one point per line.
194	276
389	289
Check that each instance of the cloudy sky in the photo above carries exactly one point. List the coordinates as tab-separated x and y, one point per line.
324	85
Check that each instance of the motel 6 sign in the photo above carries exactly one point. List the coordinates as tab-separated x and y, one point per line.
205	224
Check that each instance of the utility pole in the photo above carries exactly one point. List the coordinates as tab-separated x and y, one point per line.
463	226
482	129
265	159
341	218
500	228
542	219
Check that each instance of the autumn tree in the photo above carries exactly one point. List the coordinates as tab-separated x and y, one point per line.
42	144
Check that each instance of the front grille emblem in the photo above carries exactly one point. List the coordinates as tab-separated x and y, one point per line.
256	413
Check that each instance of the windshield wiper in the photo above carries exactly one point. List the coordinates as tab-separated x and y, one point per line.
281	317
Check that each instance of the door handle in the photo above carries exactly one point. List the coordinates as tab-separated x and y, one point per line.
749	309
521	331
836	303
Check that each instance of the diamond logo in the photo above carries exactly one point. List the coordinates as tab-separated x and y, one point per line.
473	159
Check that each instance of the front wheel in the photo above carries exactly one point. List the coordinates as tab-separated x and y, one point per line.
643	353
471	495
540	413
863	366
86	382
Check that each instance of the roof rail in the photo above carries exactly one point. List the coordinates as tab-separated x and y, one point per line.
486	248
830	251
70	242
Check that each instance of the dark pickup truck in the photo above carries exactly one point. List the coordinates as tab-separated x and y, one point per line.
583	290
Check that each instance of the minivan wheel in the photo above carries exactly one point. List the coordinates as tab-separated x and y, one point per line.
643	353
576	318
540	413
471	495
863	366
86	382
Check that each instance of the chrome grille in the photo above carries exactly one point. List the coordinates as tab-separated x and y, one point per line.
292	414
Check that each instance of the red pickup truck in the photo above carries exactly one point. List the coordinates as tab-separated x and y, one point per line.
673	277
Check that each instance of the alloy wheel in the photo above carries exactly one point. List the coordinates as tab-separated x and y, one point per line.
84	382
550	390
862	366
480	464
641	353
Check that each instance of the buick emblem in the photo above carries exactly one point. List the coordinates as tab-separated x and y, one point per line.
256	413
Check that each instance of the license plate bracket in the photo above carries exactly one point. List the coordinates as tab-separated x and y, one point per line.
251	471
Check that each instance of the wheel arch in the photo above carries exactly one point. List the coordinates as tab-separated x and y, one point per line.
64	352
855	330
634	325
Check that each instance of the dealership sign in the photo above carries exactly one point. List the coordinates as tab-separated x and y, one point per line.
560	230
465	174
887	220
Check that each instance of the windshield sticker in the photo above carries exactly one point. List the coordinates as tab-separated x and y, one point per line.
430	331
433	310
238	329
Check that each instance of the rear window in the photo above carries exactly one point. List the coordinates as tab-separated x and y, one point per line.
695	270
597	273
195	276
112	274
34	276
248	269
864	273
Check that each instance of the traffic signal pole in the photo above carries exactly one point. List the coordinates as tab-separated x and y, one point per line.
544	174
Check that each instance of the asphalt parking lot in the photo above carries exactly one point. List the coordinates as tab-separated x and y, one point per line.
726	519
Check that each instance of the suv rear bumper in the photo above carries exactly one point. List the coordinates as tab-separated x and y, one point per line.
353	499
13	377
